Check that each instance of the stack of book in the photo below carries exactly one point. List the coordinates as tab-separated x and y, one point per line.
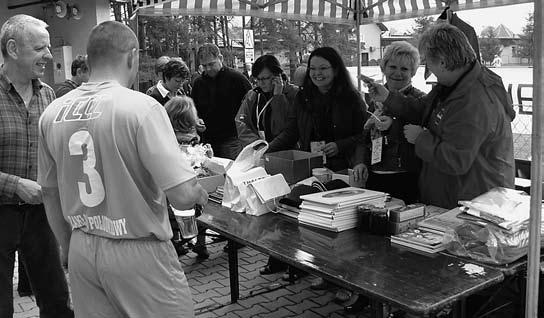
420	239
289	207
440	223
336	210
429	233
217	195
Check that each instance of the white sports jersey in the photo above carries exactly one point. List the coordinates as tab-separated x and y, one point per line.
112	152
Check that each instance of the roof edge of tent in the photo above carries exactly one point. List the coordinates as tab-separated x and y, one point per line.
150	11
438	9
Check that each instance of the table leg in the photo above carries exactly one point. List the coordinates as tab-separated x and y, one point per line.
376	309
460	309
233	271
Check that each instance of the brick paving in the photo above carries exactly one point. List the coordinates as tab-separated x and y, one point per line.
260	296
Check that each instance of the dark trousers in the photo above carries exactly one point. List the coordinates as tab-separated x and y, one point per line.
229	148
402	185
24	228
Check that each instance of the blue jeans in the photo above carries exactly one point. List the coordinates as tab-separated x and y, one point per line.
25	228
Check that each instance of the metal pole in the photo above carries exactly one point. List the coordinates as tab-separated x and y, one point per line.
533	269
358	26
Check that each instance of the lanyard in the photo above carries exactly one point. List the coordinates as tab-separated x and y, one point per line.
259	113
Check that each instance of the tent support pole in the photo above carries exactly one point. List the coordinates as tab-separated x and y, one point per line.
533	269
358	26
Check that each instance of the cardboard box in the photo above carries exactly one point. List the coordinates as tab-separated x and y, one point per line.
347	176
399	227
217	178
211	183
295	165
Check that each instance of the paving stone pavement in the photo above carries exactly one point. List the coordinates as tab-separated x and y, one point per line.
260	296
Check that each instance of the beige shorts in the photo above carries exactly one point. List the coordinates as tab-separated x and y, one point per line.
126	278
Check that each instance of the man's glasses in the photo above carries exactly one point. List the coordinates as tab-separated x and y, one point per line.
321	69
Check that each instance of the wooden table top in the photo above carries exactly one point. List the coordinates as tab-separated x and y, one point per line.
362	262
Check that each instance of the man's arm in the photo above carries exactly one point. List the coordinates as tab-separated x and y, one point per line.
185	195
59	226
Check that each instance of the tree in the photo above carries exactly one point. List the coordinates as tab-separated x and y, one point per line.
489	44
526	47
422	24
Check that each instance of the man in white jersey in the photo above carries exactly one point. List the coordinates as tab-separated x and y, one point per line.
107	157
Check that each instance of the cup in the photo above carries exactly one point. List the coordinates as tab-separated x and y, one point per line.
322	174
187	223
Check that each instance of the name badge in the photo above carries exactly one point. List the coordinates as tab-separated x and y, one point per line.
261	134
377	145
317	147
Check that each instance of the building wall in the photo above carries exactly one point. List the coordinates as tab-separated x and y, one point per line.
370	35
63	31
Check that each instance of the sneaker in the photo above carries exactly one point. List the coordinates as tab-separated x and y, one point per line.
343	295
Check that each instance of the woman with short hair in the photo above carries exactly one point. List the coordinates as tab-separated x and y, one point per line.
464	135
395	168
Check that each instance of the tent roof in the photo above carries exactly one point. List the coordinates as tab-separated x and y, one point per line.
389	10
327	11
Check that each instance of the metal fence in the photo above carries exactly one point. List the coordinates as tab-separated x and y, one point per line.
522	96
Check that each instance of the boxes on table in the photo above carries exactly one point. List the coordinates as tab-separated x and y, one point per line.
348	177
294	165
217	175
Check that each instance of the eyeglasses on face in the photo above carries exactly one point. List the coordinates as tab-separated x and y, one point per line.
263	79
321	69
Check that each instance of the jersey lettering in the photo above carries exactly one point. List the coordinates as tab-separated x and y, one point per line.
78	142
79	109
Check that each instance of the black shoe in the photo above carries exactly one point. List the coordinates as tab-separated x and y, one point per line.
201	252
268	270
180	250
358	305
25	293
293	275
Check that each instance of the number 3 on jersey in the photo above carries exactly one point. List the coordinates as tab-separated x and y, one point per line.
76	144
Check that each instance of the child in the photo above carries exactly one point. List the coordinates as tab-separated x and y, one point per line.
184	119
183	116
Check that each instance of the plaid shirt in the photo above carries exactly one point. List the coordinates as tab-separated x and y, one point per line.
19	135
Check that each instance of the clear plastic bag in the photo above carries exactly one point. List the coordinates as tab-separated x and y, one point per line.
488	244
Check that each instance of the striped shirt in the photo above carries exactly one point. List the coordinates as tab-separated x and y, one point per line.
19	135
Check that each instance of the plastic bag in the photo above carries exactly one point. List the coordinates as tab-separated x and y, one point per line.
488	244
245	170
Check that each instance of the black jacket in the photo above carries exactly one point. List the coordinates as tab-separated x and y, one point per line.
217	101
347	116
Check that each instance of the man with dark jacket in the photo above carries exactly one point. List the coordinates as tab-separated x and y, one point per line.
218	94
465	137
80	74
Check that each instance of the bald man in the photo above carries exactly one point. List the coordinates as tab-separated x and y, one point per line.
108	155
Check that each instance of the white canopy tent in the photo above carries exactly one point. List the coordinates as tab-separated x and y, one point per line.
372	11
327	11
